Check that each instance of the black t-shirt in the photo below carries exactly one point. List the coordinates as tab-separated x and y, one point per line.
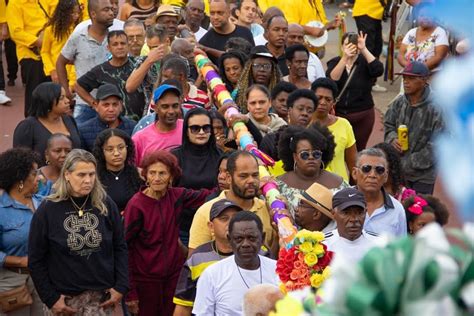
133	103
121	190
212	39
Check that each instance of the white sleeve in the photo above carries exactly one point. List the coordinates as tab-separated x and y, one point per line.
315	68
408	38
441	37
205	301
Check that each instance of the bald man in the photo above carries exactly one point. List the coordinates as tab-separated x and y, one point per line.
185	49
296	36
222	30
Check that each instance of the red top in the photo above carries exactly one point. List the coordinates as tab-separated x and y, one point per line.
152	234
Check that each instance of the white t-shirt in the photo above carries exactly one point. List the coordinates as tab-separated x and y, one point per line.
260	40
422	51
200	33
117	26
221	287
351	250
315	68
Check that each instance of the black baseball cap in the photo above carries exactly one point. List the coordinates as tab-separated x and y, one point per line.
108	90
261	51
348	197
222	205
415	69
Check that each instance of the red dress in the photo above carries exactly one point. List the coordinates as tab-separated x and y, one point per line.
155	258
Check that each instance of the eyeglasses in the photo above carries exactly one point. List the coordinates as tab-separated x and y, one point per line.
305	154
135	38
195	129
111	150
265	67
368	168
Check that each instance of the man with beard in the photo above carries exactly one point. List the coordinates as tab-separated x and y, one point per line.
297	60
349	240
167	131
86	49
242	171
222	286
194	17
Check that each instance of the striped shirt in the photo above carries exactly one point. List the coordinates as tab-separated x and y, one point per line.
139	13
195	98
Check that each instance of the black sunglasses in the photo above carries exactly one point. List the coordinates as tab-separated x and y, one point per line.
368	168
305	154
195	129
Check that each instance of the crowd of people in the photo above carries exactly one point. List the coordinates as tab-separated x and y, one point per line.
127	190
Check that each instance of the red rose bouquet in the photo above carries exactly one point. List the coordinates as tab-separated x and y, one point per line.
304	262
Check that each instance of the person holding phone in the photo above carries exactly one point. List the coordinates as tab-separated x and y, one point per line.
354	73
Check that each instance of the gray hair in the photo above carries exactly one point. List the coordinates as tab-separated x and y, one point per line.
62	189
372	152
261	299
133	22
157	30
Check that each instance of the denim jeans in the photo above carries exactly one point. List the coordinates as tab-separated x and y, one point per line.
83	113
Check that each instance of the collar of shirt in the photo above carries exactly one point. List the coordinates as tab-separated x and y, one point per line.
7	201
85	32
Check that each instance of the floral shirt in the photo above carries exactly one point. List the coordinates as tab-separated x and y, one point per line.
422	51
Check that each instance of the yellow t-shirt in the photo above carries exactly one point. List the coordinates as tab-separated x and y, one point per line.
298	11
3	11
372	8
344	138
52	4
200	234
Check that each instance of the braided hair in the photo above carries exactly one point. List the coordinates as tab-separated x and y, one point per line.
246	80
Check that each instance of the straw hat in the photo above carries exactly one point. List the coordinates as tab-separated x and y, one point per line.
319	197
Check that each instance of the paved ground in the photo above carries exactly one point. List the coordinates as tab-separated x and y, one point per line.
11	115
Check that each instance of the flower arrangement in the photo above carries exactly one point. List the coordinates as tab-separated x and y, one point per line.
304	262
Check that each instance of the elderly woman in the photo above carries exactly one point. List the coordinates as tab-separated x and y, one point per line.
48	115
19	182
357	69
262	68
305	153
152	231
422	210
77	251
57	148
427	43
115	152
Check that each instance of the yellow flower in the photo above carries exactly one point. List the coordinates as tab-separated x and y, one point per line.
306	247
317	236
318	249
288	306
316	280
303	235
310	259
326	272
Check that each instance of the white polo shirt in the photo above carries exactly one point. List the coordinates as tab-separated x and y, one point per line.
351	250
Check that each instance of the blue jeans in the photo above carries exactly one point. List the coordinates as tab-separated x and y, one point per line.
83	113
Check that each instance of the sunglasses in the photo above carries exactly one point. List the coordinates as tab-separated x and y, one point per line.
368	168
195	129
305	154
265	67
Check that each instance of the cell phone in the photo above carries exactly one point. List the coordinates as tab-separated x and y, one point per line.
353	38
105	296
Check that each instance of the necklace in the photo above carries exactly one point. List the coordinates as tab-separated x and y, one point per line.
242	277
80	209
220	254
116	175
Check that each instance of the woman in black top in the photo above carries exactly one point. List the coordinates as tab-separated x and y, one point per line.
77	252
48	115
356	103
198	157
115	152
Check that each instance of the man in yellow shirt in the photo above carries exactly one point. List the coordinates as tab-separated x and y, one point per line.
243	175
26	21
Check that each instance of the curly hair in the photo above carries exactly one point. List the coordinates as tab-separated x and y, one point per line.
15	166
246	80
227	55
318	136
166	158
61	22
395	170
130	171
434	206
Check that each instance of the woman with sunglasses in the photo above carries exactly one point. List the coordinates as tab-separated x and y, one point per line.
115	152
305	153
198	158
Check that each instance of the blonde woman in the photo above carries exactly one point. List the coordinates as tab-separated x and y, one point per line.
77	251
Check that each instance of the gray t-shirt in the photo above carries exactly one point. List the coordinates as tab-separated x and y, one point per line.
86	53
